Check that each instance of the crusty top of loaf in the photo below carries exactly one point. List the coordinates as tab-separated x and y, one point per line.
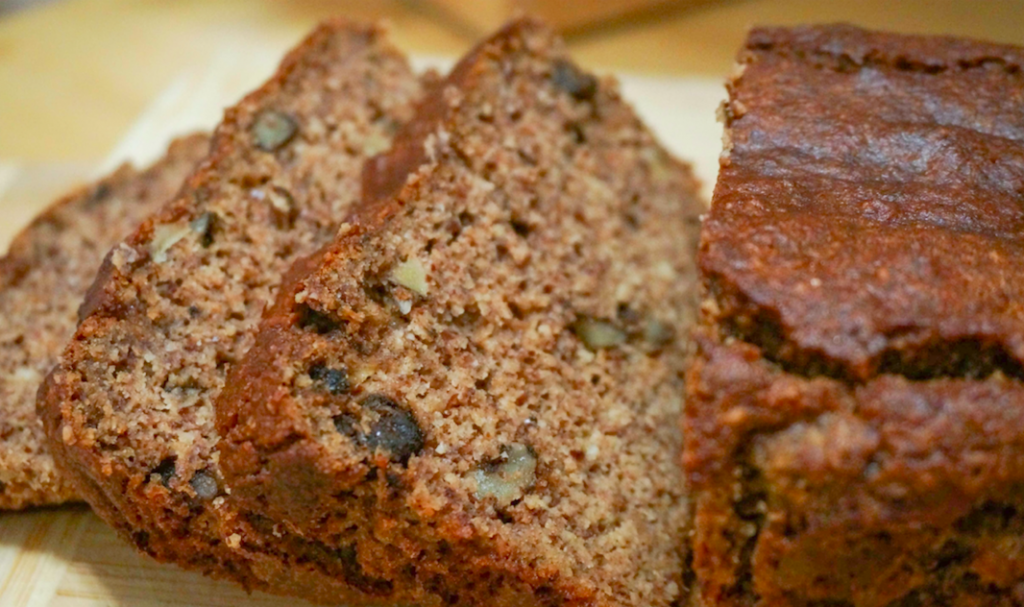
868	214
907	51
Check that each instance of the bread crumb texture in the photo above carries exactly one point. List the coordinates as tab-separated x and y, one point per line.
43	278
130	408
473	395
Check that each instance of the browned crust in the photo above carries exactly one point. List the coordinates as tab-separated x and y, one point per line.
864	46
883	478
854	413
846	146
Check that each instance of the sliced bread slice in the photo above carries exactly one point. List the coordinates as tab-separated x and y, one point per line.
474	393
129	410
47	270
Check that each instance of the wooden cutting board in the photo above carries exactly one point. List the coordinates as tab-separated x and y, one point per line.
67	557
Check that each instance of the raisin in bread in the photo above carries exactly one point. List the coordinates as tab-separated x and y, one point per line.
43	278
474	393
129	410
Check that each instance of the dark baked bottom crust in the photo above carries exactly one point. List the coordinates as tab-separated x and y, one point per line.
855	416
523	301
43	278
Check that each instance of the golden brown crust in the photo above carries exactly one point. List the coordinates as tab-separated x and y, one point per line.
475	389
847	146
855	410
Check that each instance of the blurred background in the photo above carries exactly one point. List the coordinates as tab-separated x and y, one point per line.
75	74
78	77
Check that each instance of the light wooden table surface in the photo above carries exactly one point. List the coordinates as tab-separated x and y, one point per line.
78	77
74	74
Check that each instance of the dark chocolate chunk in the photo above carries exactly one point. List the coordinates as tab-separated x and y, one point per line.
395	429
205	485
382	424
334	381
165	471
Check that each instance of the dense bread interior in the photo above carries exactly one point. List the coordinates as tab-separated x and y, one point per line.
43	278
131	406
854	412
475	390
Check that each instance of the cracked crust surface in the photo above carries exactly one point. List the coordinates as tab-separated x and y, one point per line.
43	278
474	392
129	411
855	409
869	175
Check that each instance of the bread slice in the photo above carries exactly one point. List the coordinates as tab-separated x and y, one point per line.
43	278
474	393
129	410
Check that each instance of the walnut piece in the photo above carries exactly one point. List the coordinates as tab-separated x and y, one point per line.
509	477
